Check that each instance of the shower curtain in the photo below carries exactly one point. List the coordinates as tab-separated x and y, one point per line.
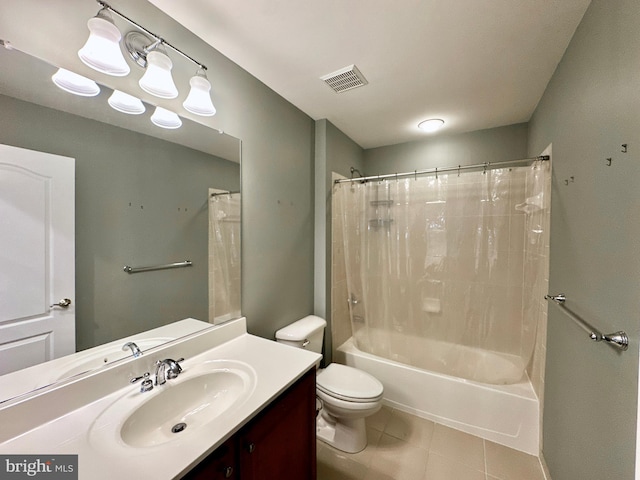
440	268
224	256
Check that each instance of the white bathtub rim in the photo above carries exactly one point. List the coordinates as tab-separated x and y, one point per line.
520	431
520	389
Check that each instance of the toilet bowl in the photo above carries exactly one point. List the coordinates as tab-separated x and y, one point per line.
347	395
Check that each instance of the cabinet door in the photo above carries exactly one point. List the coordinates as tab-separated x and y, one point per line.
221	464
281	442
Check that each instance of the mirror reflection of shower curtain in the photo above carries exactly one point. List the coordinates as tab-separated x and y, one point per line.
440	270
224	256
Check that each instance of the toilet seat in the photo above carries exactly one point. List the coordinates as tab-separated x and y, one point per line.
349	384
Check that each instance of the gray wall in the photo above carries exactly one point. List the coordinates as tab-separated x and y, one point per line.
591	107
491	145
139	201
334	152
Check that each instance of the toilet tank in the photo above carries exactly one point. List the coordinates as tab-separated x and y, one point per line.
307	333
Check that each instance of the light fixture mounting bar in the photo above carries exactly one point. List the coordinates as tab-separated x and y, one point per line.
151	34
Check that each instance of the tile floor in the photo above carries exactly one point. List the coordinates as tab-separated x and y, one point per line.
405	447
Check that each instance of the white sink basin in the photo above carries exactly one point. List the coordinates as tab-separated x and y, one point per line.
179	407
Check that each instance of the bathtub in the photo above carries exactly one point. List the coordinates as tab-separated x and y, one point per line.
504	414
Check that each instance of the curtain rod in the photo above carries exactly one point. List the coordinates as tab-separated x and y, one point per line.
459	168
215	194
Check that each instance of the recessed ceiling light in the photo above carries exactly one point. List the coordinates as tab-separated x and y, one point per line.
431	125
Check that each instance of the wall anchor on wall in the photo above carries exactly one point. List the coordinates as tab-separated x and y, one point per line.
569	180
609	162
624	148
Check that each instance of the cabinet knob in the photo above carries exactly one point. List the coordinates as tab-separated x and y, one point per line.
228	471
251	447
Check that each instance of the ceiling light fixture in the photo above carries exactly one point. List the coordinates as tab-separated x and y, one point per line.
148	50
165	118
102	50
431	125
74	83
125	103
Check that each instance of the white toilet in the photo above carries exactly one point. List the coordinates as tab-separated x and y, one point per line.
347	395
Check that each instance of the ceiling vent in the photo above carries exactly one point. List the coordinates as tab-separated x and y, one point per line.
345	79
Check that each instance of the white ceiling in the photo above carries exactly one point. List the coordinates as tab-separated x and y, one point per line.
474	63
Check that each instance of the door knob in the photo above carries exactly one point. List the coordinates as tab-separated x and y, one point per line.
64	303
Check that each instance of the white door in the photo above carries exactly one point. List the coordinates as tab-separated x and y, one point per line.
37	257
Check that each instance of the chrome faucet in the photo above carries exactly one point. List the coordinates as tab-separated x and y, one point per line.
134	349
167	369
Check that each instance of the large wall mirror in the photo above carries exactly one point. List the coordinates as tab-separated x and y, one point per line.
142	198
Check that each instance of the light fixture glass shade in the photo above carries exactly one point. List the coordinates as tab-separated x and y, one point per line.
102	50
165	119
125	103
74	83
199	101
431	125
157	79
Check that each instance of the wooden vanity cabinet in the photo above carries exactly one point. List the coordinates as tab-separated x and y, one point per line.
279	443
221	464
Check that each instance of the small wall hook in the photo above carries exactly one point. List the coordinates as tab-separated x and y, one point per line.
609	162
624	148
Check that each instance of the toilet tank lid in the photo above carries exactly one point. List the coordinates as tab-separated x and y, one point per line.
302	329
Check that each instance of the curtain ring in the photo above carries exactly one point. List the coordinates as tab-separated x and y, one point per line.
415	175
436	173
484	171
458	170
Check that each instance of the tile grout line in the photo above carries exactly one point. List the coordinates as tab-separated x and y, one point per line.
484	451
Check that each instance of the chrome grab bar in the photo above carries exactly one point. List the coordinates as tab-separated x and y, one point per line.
186	263
618	339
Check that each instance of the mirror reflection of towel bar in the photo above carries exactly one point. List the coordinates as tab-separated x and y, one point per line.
618	339
186	263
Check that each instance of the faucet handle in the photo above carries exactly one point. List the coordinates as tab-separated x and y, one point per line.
174	368
147	383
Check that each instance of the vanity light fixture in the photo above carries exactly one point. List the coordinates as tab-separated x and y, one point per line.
431	125
125	103
157	79
199	101
166	119
102	50
74	83
149	51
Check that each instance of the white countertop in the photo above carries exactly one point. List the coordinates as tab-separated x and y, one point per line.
37	376
276	366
